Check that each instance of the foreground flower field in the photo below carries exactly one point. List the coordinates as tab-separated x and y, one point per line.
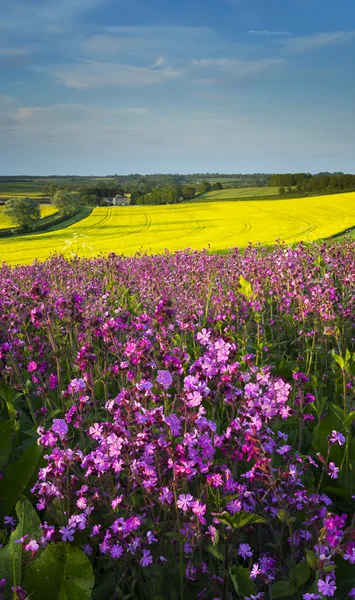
179	426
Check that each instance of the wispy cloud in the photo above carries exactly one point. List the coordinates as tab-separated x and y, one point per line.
317	40
238	67
43	18
14	52
267	32
91	74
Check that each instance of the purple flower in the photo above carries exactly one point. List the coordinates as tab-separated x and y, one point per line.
147	558
255	572
67	534
333	471
185	501
32	366
327	587
245	551
337	438
116	551
9	521
351	594
60	427
165	379
31	546
166	495
87	549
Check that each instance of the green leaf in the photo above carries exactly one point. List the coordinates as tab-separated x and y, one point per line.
17	477
338	359
241	519
240	577
245	288
312	560
12	554
350	417
283	589
329	568
174	535
61	572
300	574
338	411
6	431
215	552
8	397
285	517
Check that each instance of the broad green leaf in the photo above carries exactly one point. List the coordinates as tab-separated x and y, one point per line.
245	288
339	360
17	477
241	519
6	431
312	560
240	577
300	574
61	572
12	554
350	417
215	552
283	589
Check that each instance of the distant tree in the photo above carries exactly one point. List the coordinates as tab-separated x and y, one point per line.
50	190
187	192
282	190
66	202
23	212
289	190
204	186
217	186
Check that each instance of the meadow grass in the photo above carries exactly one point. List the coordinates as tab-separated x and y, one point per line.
154	229
47	210
240	193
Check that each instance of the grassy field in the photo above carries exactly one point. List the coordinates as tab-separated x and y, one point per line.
239	193
46	211
153	229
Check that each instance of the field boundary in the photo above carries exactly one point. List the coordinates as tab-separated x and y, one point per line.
49	224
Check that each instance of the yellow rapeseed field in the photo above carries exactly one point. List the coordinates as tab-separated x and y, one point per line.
46	211
212	225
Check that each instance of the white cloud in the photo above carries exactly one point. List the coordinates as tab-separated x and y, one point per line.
91	74
316	41
238	67
266	32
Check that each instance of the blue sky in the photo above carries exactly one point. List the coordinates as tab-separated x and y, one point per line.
121	86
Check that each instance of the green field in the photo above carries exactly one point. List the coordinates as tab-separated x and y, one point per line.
46	211
243	193
130	229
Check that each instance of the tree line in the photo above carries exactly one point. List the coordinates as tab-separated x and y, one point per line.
173	194
313	184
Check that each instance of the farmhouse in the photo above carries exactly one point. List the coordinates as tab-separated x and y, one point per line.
120	201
